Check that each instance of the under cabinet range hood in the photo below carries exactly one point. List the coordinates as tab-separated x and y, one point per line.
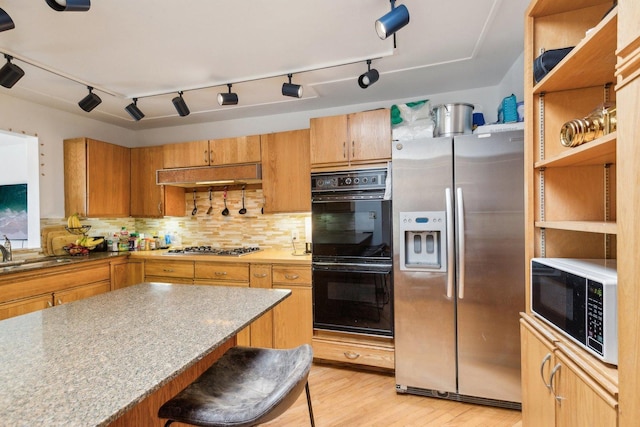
250	173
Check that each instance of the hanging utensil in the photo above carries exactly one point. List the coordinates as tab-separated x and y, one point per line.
195	206
210	203
225	211
242	211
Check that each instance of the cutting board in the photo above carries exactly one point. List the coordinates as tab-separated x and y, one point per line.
59	242
44	234
50	237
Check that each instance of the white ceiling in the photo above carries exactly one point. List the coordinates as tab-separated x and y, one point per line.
151	49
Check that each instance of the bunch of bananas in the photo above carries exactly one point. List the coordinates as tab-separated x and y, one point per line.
74	221
89	242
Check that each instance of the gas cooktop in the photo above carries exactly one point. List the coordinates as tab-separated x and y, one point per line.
209	250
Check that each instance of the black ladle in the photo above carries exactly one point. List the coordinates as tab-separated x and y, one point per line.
225	211
195	206
243	210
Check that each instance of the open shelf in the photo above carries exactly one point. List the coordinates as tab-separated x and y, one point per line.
598	152
584	226
591	63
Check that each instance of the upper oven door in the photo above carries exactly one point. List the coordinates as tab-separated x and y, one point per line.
343	227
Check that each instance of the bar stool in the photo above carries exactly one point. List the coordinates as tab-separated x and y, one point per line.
245	387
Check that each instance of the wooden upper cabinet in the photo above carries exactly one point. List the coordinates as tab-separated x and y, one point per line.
149	200
286	181
96	178
186	154
358	138
227	151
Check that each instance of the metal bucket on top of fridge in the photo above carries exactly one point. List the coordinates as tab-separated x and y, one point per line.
452	119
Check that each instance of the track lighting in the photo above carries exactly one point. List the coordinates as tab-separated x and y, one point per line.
69	5
368	78
134	111
290	89
6	23
392	21
228	98
90	101
10	73
181	106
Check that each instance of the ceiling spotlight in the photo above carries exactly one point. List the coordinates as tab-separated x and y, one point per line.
6	23
392	21
368	78
134	111
90	101
181	106
290	89
69	5
10	73
228	98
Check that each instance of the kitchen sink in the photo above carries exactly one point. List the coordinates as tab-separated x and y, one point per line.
25	264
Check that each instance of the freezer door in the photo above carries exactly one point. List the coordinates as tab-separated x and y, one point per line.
489	184
425	350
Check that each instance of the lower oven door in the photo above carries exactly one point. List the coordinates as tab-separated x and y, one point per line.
353	298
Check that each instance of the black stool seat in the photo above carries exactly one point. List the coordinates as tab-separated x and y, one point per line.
245	387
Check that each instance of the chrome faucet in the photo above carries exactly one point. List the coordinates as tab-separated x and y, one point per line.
5	254
6	250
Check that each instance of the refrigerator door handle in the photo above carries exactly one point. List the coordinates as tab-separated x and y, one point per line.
450	243
460	232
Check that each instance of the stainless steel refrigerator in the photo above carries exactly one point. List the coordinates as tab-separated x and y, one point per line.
458	216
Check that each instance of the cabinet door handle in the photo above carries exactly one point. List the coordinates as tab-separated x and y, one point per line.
59	301
159	207
553	374
260	275
220	273
49	303
351	355
207	157
544	362
167	270
211	157
291	276
353	149
344	150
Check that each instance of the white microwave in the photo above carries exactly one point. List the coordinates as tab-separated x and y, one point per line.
578	297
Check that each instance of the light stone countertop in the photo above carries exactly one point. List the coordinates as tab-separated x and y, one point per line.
88	362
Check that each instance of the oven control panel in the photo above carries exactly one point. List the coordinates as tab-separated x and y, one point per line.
368	179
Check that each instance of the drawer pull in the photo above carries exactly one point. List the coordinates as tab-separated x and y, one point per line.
291	276
260	275
220	273
59	301
351	355
49	303
167	270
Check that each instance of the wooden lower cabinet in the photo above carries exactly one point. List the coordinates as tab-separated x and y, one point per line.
25	305
292	318
81	292
557	390
126	272
169	271
261	328
351	349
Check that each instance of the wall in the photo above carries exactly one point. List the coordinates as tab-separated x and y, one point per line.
53	126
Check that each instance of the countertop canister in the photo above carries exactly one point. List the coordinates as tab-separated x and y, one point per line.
452	119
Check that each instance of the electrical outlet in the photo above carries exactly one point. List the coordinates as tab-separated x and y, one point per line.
294	235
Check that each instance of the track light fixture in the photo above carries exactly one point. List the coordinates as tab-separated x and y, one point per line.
228	98
392	21
69	5
368	78
10	73
90	101
6	23
290	89
134	111
181	106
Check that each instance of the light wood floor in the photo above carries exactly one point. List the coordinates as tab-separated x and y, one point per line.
346	397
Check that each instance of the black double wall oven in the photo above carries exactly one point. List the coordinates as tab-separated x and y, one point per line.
352	257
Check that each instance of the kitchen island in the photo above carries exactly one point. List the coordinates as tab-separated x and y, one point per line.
114	358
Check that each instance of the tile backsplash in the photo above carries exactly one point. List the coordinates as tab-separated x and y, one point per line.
251	229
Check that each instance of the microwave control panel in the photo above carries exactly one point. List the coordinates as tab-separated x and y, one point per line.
595	317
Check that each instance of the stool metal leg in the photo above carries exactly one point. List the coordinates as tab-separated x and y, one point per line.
306	387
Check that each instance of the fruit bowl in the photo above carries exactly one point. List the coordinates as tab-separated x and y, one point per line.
83	229
76	250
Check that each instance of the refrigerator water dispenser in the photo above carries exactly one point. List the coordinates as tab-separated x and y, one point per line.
423	241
